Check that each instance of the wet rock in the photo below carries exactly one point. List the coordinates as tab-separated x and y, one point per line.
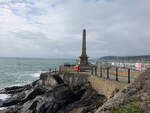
56	94
15	89
37	91
50	80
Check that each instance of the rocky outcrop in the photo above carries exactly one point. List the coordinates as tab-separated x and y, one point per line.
54	93
73	93
136	93
15	89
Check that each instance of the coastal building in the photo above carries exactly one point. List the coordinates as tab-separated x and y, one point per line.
141	62
133	66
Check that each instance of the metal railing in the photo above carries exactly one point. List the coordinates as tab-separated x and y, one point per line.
113	73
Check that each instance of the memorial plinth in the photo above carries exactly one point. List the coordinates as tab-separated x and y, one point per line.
84	64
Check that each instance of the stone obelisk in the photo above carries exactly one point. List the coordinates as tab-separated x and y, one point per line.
84	57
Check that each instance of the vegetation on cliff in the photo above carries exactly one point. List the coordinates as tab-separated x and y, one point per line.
135	98
128	108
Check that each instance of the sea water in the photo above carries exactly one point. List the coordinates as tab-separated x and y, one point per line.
20	71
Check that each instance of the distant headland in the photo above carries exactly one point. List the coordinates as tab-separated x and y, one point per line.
140	58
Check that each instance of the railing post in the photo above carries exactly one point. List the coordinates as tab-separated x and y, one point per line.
128	75
116	74
55	70
107	72
66	70
92	71
101	71
96	71
59	70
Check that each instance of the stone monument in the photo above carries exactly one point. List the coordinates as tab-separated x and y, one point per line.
84	57
84	64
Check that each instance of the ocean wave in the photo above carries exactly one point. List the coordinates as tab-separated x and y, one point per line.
3	108
4	96
37	74
18	84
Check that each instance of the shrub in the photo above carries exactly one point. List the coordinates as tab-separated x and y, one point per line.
138	99
128	108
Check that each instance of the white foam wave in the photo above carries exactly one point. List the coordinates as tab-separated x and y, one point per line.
37	74
3	108
4	97
19	84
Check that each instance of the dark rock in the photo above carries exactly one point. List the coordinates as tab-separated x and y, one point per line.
59	94
37	91
58	79
15	89
44	76
35	83
10	102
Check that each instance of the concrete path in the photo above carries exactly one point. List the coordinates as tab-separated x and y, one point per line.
122	78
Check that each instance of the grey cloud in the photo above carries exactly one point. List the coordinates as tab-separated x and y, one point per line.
114	27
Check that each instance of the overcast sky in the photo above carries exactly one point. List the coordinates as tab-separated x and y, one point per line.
53	28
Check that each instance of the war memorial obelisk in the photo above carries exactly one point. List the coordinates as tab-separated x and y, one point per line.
84	64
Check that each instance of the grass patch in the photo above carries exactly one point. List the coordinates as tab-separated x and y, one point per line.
128	108
138	99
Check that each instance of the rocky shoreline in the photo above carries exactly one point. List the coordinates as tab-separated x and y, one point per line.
73	93
53	93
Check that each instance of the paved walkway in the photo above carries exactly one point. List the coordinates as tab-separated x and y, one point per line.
122	78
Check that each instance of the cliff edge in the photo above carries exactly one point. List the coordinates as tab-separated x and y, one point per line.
135	97
53	93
